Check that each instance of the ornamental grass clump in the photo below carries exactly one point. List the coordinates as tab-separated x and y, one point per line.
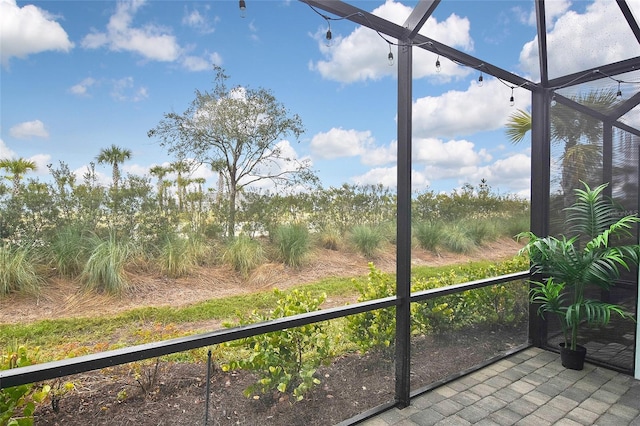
367	239
456	238
176	257
17	270
428	234
293	243
70	250
589	257
244	254
105	268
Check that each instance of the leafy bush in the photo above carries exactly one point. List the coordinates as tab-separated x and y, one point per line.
503	303
243	254
286	360
367	239
429	234
374	329
17	270
104	270
18	403
292	242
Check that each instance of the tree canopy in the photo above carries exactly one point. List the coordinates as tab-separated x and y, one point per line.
240	133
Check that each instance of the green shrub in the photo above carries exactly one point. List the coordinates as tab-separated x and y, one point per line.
374	329
286	360
428	234
17	270
243	254
455	238
104	270
367	239
18	403
293	243
502	304
439	315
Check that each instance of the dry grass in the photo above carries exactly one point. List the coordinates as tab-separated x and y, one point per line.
64	298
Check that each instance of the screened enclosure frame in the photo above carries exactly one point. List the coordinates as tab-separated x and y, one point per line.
542	93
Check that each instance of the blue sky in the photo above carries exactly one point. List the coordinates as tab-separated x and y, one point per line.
78	76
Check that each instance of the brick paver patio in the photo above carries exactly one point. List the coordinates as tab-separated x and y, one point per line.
528	388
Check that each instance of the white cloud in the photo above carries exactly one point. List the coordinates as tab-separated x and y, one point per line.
362	55
125	90
199	21
200	63
553	9
602	24
150	41
82	88
339	142
103	179
41	160
512	174
451	154
456	113
5	152
29	129
27	30
388	176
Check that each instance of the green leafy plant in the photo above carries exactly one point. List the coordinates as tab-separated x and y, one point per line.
569	265
286	360
18	403
374	329
292	242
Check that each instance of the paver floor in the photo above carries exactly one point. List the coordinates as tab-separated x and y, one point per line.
528	388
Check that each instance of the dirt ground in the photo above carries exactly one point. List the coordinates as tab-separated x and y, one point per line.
176	393
65	299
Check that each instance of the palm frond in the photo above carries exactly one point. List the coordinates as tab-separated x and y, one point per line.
518	125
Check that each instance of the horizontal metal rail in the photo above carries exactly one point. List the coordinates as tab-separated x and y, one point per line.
81	364
471	285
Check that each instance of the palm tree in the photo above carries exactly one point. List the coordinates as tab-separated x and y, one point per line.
587	258
580	134
180	167
160	172
114	155
17	169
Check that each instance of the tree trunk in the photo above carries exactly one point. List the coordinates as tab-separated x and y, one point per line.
231	224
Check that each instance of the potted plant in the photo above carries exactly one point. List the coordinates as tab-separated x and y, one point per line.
569	265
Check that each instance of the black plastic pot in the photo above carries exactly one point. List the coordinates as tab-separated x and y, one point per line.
573	360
